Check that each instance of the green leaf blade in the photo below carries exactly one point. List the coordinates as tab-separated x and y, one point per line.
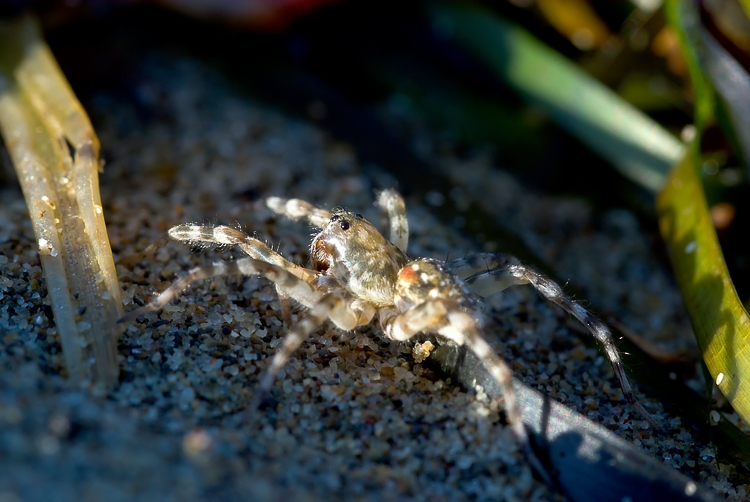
636	145
721	323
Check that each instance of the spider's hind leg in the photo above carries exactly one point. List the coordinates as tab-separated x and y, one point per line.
448	320
490	273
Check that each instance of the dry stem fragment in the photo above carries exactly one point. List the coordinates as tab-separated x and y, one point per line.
42	124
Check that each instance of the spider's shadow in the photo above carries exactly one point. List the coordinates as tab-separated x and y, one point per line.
585	460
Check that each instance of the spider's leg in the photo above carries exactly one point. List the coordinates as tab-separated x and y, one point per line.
228	236
299	289
393	203
254	248
285	306
339	307
482	263
446	319
502	271
295	209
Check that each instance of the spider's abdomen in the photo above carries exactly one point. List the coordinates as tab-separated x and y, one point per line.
424	280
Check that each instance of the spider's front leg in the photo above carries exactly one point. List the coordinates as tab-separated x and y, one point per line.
393	203
291	280
228	236
490	273
390	200
291	285
295	209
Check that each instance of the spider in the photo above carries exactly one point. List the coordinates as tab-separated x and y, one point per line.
356	274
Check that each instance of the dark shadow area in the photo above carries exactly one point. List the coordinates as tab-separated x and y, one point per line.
332	67
588	462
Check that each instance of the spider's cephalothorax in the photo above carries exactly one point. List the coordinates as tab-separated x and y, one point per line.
356	273
364	262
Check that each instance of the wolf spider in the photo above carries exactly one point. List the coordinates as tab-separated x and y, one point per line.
356	273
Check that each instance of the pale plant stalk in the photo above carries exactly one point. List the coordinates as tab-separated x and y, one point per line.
55	153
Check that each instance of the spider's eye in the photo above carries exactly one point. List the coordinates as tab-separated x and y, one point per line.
358	216
335	217
344	225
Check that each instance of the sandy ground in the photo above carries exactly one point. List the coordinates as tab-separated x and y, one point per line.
352	416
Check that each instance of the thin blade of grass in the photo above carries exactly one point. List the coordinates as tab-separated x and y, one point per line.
684	21
55	153
721	323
